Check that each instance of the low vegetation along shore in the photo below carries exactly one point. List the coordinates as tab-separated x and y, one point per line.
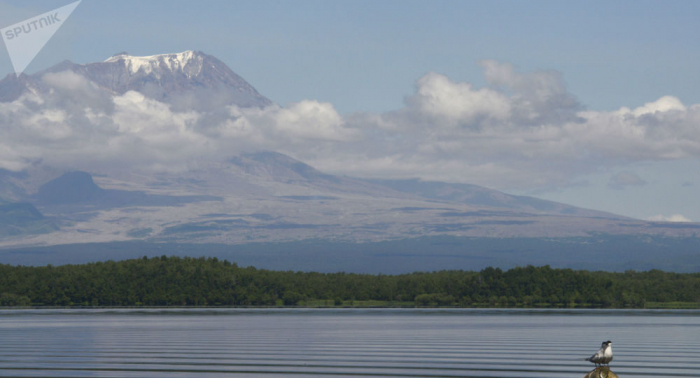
175	281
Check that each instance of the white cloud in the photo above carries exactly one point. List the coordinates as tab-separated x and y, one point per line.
74	124
450	104
536	97
670	218
301	121
525	131
664	104
522	131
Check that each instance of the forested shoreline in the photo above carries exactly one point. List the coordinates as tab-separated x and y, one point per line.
176	281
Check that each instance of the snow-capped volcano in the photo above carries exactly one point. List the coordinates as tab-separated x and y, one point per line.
190	78
188	62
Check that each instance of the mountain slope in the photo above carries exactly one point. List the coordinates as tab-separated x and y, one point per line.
271	197
275	208
480	196
73	191
18	219
72	187
190	78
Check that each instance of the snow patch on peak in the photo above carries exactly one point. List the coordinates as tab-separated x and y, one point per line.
156	63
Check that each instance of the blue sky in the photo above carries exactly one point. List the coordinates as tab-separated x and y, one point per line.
367	56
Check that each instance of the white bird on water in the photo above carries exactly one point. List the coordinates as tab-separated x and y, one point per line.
603	356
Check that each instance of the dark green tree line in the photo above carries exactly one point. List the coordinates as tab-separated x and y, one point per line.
175	281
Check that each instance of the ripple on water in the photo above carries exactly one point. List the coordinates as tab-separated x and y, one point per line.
344	343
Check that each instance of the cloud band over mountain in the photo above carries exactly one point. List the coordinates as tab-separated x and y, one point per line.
521	131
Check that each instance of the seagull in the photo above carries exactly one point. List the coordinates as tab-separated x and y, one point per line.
603	356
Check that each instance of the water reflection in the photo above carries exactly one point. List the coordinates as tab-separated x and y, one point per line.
601	372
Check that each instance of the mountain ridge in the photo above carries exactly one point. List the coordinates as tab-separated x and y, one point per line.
268	196
160	77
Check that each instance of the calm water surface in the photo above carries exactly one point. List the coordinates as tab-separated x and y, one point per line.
350	343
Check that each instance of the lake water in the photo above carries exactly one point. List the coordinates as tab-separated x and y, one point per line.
345	343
